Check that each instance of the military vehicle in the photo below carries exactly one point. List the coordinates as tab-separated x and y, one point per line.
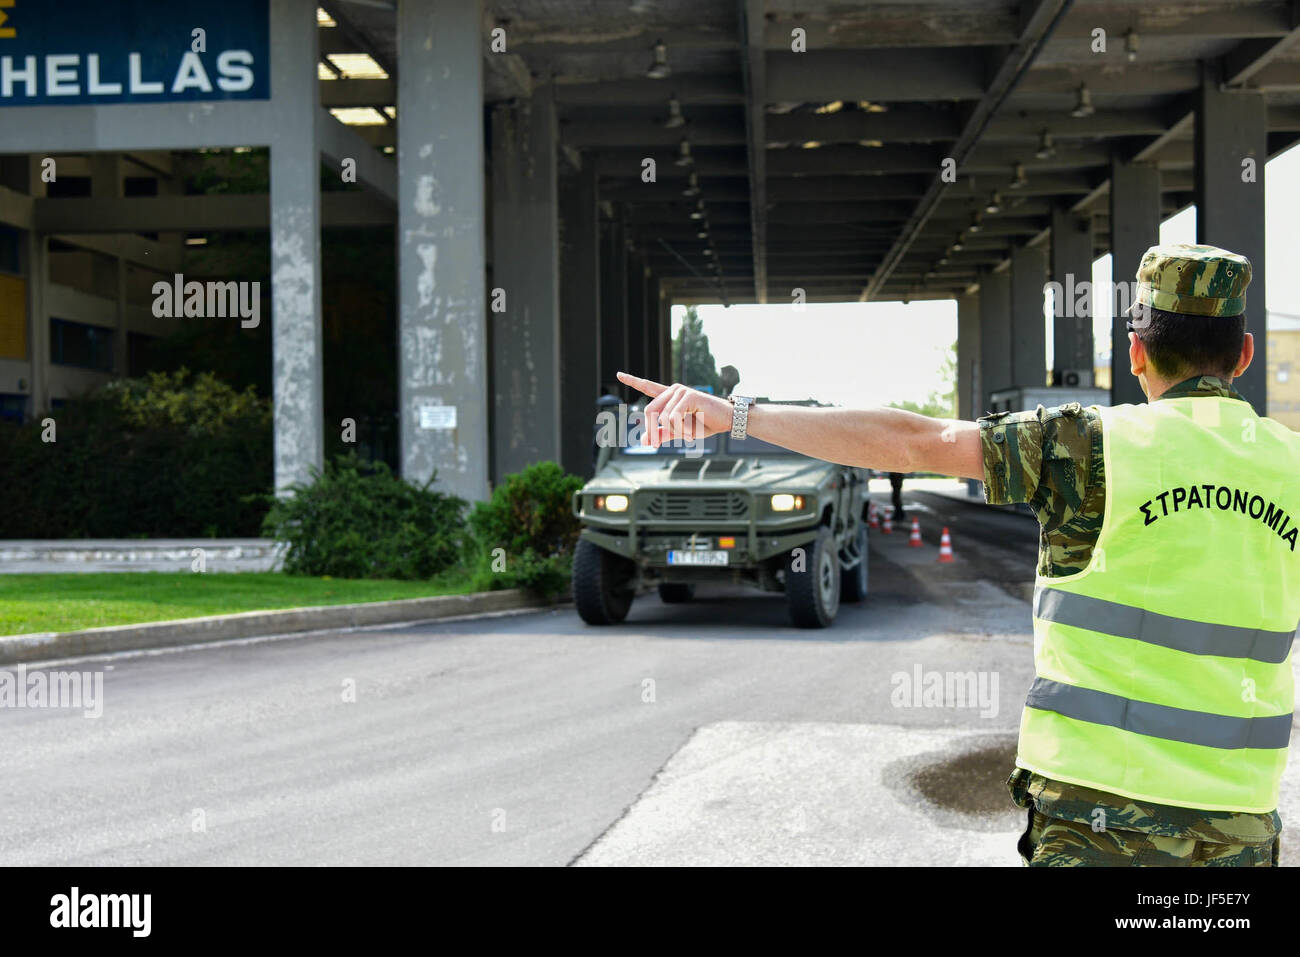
723	511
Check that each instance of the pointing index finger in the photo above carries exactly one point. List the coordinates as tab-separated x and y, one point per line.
648	386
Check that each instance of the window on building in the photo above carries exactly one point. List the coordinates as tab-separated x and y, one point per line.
139	186
81	345
9	242
68	187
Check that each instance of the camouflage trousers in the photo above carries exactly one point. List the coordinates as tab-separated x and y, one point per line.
1052	842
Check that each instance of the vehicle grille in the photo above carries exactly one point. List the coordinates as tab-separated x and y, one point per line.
692	506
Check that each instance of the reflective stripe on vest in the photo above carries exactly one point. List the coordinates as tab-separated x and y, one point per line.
1194	637
1160	721
1164	667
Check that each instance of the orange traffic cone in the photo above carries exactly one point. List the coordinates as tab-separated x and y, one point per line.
945	546
888	527
915	538
873	520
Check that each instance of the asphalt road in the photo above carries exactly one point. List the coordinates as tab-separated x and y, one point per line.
703	733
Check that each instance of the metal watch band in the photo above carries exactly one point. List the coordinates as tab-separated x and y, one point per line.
740	415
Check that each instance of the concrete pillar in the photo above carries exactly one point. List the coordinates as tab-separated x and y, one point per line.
525	265
636	314
1134	228
970	398
665	335
971	401
580	346
1071	255
442	327
1231	150
995	334
1028	327
106	182
37	269
297	398
613	305
651	327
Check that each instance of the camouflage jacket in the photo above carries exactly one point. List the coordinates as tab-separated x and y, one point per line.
1051	459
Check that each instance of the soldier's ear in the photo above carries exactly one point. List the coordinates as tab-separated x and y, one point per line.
1137	354
1247	353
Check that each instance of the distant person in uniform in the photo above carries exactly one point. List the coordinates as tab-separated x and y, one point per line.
896	483
1168	593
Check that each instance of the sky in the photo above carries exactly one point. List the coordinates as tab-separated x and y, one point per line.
876	353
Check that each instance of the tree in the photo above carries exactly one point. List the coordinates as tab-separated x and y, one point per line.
939	405
700	370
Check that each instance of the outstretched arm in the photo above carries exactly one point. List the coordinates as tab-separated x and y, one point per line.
888	439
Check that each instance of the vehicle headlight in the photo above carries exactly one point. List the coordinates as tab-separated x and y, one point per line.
784	502
616	503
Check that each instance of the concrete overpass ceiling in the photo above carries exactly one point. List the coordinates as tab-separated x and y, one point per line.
822	168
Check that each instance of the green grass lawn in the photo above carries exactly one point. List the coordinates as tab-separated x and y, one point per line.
32	603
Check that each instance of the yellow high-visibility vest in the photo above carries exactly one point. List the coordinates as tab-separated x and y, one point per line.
1163	668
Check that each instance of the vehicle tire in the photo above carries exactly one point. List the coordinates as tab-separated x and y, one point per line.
813	594
853	581
674	593
602	584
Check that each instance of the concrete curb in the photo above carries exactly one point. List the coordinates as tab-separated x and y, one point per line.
50	646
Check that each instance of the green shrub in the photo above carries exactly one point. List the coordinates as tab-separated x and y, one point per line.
358	520
530	518
167	455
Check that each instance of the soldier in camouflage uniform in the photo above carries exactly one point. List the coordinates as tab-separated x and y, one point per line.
1051	459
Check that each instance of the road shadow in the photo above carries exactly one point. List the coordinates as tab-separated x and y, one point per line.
733	612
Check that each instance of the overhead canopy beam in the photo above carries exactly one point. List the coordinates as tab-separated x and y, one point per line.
1038	27
753	65
694	89
898	25
619	129
339	142
1249	61
195	214
874	26
505	75
894	75
353	36
358	92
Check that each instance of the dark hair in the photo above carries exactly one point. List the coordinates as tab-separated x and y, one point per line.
1181	346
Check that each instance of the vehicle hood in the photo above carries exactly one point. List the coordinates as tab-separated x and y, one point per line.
776	472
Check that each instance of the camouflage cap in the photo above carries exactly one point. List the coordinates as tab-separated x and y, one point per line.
1193	280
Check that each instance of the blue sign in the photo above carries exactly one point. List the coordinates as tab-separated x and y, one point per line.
59	52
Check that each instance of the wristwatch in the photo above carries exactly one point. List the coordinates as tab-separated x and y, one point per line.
740	415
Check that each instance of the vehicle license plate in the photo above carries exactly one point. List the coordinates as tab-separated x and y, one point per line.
697	557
